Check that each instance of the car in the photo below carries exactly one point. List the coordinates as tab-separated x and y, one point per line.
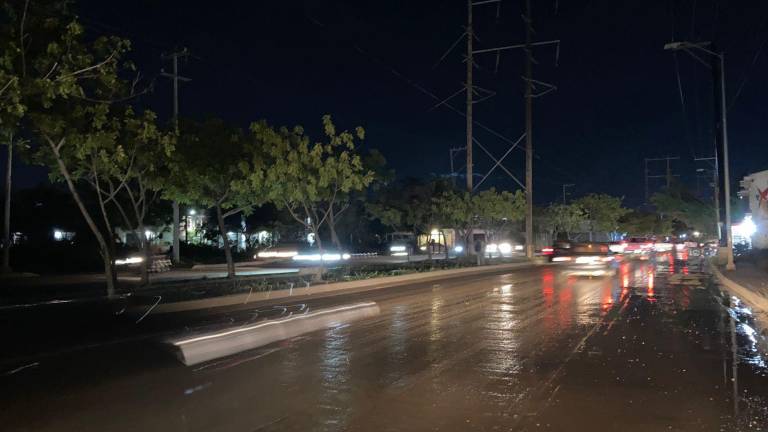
585	259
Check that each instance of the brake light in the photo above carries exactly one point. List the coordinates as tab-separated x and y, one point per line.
547	251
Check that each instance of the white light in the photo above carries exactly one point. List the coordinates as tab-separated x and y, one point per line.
746	228
148	234
586	260
683	235
458	249
131	260
311	238
491	248
617	248
331	257
397	248
505	248
423	248
192	212
561	259
518	247
435	232
277	254
696	234
309	257
58	235
346	256
399	253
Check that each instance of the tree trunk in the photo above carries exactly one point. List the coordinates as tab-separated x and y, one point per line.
106	253
144	246
6	243
332	226
227	249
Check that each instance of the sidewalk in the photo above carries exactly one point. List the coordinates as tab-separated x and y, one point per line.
750	284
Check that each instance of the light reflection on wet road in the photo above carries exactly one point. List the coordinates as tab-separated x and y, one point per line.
649	348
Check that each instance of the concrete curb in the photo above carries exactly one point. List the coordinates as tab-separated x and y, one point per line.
331	288
757	302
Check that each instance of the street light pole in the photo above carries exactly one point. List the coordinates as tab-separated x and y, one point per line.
687	46
727	186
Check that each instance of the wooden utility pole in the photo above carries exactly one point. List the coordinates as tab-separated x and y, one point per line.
529	249
470	89
176	78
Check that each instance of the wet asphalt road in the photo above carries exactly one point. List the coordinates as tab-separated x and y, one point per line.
654	347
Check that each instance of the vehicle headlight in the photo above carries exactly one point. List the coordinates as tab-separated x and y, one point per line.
505	248
397	248
458	249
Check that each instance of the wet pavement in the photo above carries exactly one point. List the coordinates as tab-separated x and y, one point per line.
654	347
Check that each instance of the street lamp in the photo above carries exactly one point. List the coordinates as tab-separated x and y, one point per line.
689	47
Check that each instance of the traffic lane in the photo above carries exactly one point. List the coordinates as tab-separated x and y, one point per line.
680	355
457	355
63	327
427	346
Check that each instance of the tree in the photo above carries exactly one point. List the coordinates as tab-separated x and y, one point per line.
489	210
313	182
565	218
641	223
219	167
679	204
67	89
603	211
130	172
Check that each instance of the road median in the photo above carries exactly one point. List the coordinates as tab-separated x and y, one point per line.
329	289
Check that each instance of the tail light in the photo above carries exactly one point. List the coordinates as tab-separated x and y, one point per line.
548	251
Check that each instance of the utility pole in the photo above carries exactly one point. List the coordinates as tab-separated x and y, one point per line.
645	179
667	174
718	68
176	78
470	90
528	133
566	186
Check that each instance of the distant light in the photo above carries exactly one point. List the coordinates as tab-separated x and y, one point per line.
346	256
458	249
58	235
435	232
492	248
399	253
696	234
148	234
423	248
518	247
683	235
397	248
561	259
192	212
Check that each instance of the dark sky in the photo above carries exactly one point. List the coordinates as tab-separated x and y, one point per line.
370	63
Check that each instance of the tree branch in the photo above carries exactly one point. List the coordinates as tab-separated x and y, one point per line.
96	66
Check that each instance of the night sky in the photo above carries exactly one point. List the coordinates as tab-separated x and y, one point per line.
371	64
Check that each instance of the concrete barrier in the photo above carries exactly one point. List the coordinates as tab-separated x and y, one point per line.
331	288
202	347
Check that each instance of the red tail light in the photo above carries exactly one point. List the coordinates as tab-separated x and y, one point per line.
548	251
